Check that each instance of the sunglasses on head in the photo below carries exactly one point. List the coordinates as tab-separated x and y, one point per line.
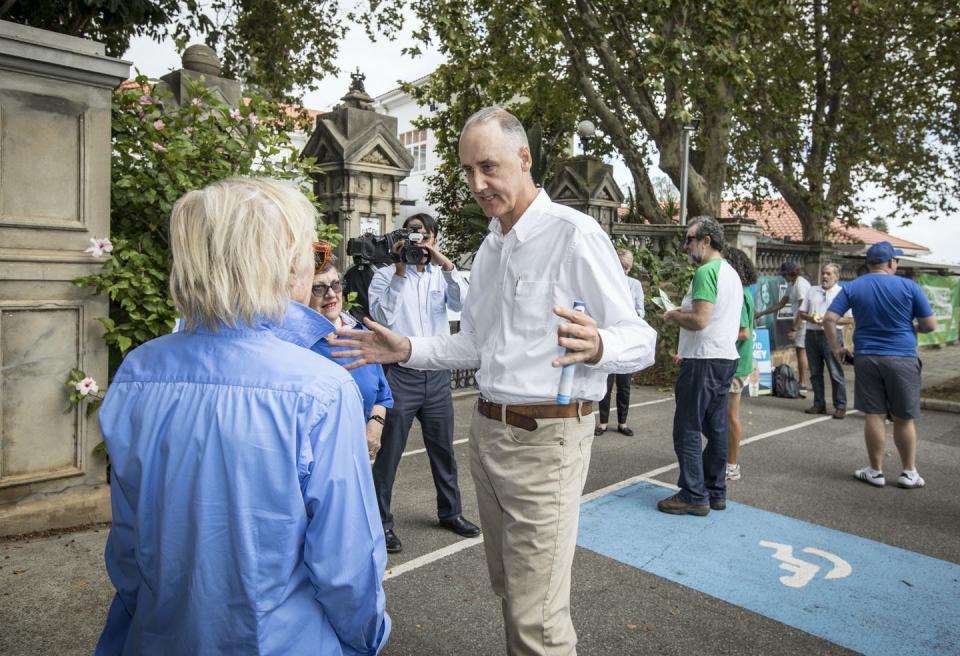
321	254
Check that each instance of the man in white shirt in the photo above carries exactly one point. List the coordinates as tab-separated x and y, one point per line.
413	301
709	321
812	310
797	288
529	456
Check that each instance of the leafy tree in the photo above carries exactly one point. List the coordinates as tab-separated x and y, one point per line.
851	94
639	69
880	223
275	46
160	153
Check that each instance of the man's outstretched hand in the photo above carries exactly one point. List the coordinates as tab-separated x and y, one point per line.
579	336
379	345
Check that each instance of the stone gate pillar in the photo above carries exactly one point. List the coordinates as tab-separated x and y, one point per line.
362	162
55	94
587	184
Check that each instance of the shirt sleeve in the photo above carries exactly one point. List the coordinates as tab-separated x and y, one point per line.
457	287
840	304
384	395
120	558
704	285
629	343
344	547
637	289
921	304
386	295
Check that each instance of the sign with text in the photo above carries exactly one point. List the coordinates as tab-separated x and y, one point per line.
943	292
761	380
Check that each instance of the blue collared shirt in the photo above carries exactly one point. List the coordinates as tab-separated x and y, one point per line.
244	515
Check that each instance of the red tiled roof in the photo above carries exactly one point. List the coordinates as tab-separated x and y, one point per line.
776	219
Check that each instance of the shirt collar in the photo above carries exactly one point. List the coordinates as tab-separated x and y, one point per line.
528	220
302	326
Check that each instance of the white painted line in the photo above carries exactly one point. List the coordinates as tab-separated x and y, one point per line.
648	477
431	557
463	441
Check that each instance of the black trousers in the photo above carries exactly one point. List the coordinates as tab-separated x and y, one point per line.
426	396
623	398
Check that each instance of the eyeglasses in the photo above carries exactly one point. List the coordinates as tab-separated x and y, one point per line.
320	290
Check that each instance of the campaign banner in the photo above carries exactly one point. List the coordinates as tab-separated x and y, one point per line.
761	380
943	292
769	291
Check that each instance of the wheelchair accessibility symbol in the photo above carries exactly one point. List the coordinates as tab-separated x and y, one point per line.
802	572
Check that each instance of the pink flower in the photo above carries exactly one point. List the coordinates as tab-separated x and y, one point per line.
87	386
159	125
253	118
145	100
99	246
235	114
158	147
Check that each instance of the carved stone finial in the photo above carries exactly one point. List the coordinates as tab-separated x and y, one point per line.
201	59
356	81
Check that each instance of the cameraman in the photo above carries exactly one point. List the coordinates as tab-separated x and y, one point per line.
413	301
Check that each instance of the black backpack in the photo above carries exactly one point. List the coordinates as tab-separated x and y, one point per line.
785	382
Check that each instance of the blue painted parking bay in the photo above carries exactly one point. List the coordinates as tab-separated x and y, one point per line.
858	593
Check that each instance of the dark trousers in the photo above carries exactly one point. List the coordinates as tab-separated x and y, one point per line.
701	394
623	398
818	353
426	396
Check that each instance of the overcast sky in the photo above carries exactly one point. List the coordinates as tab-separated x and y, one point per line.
383	64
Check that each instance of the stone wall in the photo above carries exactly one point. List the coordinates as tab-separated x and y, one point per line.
55	94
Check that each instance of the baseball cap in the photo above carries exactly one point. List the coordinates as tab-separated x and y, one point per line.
786	267
882	251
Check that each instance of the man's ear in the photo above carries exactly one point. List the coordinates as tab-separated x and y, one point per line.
526	159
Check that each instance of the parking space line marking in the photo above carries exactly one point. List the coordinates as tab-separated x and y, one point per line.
648	477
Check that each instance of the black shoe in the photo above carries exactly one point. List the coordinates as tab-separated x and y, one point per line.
625	430
718	504
460	526
393	542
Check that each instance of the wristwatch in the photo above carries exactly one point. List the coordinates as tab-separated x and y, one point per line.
376	418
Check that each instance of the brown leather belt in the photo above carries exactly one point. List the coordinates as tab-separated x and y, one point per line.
525	416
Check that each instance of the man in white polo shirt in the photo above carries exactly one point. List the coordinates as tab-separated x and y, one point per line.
812	310
709	320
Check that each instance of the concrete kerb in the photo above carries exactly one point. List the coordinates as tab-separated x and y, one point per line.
940	405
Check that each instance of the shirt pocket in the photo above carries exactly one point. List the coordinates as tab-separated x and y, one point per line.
532	307
438	302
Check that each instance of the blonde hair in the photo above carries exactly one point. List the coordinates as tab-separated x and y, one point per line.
237	246
626	257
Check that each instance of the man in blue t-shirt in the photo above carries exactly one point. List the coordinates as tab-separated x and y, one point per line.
889	310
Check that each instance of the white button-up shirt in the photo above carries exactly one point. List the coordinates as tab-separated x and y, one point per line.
554	255
416	304
818	301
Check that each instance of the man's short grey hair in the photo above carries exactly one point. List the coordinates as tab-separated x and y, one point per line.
833	267
707	226
626	256
237	245
509	124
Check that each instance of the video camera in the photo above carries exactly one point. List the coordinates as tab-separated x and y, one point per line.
378	249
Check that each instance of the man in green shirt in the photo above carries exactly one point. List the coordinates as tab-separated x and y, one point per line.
709	321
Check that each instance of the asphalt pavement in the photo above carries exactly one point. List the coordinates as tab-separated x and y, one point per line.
805	560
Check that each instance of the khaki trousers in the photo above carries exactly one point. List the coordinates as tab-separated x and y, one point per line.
528	486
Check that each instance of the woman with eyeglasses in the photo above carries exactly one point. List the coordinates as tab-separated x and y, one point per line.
326	297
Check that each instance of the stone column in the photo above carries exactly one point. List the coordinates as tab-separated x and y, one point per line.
742	234
55	94
586	184
362	162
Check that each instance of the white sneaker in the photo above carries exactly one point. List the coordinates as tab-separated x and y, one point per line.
867	476
733	473
909	483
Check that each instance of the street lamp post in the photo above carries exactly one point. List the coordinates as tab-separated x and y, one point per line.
685	134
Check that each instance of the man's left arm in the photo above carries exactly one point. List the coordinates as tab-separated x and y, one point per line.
610	335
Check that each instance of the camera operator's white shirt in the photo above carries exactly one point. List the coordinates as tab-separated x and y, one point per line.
416	305
554	255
